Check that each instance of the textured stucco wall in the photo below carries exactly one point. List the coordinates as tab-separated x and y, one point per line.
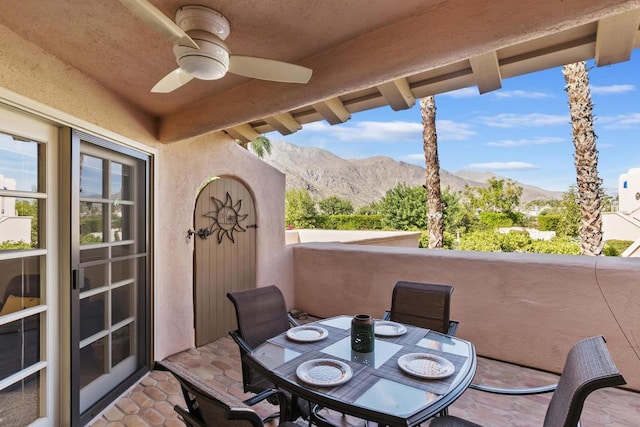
49	87
184	167
522	308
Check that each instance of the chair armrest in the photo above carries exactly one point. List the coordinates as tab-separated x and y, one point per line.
514	391
387	315
244	346
453	327
261	396
292	320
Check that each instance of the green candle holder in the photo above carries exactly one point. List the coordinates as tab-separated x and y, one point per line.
362	333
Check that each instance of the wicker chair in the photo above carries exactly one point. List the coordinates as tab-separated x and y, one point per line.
422	304
206	406
588	367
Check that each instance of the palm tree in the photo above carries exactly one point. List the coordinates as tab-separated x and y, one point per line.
585	157
435	221
259	146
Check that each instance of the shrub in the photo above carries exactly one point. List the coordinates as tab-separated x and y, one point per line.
615	247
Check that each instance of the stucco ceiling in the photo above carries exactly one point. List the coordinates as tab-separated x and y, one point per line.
364	53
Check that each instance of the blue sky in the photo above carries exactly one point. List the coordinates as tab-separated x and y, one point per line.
521	131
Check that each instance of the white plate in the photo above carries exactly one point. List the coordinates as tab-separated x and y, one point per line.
385	328
324	372
307	333
425	365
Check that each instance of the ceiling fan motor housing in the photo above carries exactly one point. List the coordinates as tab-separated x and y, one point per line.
210	62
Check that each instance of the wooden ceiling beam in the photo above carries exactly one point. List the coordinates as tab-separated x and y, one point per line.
243	133
615	38
398	94
486	71
333	111
284	123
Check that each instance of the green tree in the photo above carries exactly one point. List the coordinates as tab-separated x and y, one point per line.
370	209
260	146
30	208
569	224
300	209
457	219
335	205
404	208
500	196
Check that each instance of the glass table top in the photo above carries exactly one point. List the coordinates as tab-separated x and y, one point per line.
377	384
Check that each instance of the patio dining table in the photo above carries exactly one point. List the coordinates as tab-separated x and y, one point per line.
376	389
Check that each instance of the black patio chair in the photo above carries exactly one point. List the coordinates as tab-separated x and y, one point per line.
588	367
207	407
425	305
261	313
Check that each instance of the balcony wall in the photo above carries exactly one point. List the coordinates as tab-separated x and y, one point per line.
526	309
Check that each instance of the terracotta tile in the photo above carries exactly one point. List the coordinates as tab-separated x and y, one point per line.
219	364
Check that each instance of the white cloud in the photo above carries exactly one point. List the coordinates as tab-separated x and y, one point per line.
522	94
612	89
448	130
467	92
394	131
511	143
501	166
413	158
508	120
621	121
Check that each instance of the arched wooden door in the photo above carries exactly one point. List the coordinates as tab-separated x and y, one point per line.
225	255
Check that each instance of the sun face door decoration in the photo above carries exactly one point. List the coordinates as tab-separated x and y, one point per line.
226	219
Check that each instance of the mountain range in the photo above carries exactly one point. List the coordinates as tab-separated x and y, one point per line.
363	181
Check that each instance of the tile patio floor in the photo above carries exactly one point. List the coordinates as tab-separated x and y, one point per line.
151	401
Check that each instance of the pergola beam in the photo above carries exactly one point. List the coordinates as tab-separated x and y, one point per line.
615	38
284	123
333	111
243	133
398	94
486	71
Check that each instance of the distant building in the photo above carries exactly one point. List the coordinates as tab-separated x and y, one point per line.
625	223
13	228
629	190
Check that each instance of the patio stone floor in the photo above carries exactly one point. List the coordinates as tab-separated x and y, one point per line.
151	401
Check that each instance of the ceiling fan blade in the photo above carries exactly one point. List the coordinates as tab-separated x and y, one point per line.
172	81
159	22
268	69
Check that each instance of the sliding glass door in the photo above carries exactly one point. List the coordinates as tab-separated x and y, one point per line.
110	278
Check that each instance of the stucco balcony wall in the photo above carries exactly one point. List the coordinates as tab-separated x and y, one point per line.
526	309
407	239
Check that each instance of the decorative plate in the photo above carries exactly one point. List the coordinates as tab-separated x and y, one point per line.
324	372
385	328
425	365
307	333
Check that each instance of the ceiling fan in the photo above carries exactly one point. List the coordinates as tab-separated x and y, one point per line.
198	36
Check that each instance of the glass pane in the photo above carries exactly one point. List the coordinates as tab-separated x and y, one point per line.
19	402
121	303
93	254
19	278
92	312
92	361
91	215
95	277
120	181
91	184
121	220
19	223
19	345
18	164
122	270
121	344
122	250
